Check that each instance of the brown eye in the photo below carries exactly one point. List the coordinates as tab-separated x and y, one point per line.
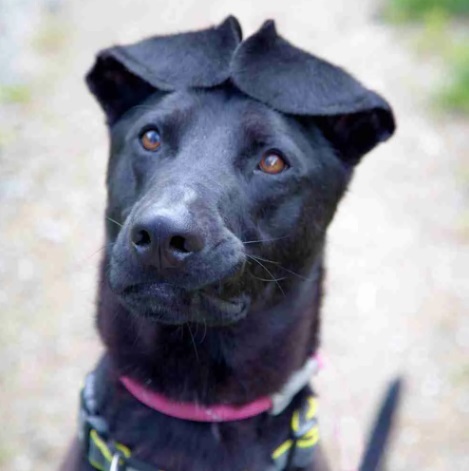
151	140
272	163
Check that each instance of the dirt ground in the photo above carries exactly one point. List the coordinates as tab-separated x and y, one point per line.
398	256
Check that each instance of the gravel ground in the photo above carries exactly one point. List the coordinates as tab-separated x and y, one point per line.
398	250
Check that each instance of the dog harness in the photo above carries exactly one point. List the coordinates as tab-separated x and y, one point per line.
105	454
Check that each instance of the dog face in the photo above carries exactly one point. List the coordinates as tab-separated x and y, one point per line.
217	186
223	178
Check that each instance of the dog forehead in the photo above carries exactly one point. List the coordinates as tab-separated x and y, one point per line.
222	108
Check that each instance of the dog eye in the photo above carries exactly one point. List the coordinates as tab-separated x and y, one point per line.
150	140
272	162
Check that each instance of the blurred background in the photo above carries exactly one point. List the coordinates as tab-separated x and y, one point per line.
398	256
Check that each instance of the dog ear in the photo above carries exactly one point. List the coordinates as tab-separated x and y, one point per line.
115	88
270	69
124	76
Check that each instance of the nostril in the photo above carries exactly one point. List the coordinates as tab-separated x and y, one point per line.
178	243
162	242
141	238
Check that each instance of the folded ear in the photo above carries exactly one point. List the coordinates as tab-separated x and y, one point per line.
115	88
292	81
124	76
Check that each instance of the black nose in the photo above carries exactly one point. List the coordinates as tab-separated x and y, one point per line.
164	242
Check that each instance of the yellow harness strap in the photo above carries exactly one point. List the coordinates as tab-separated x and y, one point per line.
298	450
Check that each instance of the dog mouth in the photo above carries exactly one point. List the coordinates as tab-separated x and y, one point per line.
208	288
170	304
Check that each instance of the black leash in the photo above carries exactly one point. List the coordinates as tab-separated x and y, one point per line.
380	434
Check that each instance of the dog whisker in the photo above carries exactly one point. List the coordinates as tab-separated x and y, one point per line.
114	221
281	267
193	343
269	273
268	279
263	259
264	240
301	277
205	331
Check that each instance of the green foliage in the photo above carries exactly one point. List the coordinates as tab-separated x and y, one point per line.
455	94
434	37
444	31
408	10
19	94
6	455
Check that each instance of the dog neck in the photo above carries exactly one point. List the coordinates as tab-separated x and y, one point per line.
226	365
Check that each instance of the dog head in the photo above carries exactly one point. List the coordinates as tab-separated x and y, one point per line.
228	160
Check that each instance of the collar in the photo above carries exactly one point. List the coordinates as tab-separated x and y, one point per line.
275	403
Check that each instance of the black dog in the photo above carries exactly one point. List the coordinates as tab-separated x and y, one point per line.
228	160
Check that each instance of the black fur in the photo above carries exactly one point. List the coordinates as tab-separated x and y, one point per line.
240	315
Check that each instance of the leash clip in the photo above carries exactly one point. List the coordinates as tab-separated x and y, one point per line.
117	459
295	384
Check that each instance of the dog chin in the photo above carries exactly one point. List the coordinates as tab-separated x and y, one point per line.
171	305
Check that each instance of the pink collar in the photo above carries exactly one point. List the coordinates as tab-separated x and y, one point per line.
222	412
194	411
